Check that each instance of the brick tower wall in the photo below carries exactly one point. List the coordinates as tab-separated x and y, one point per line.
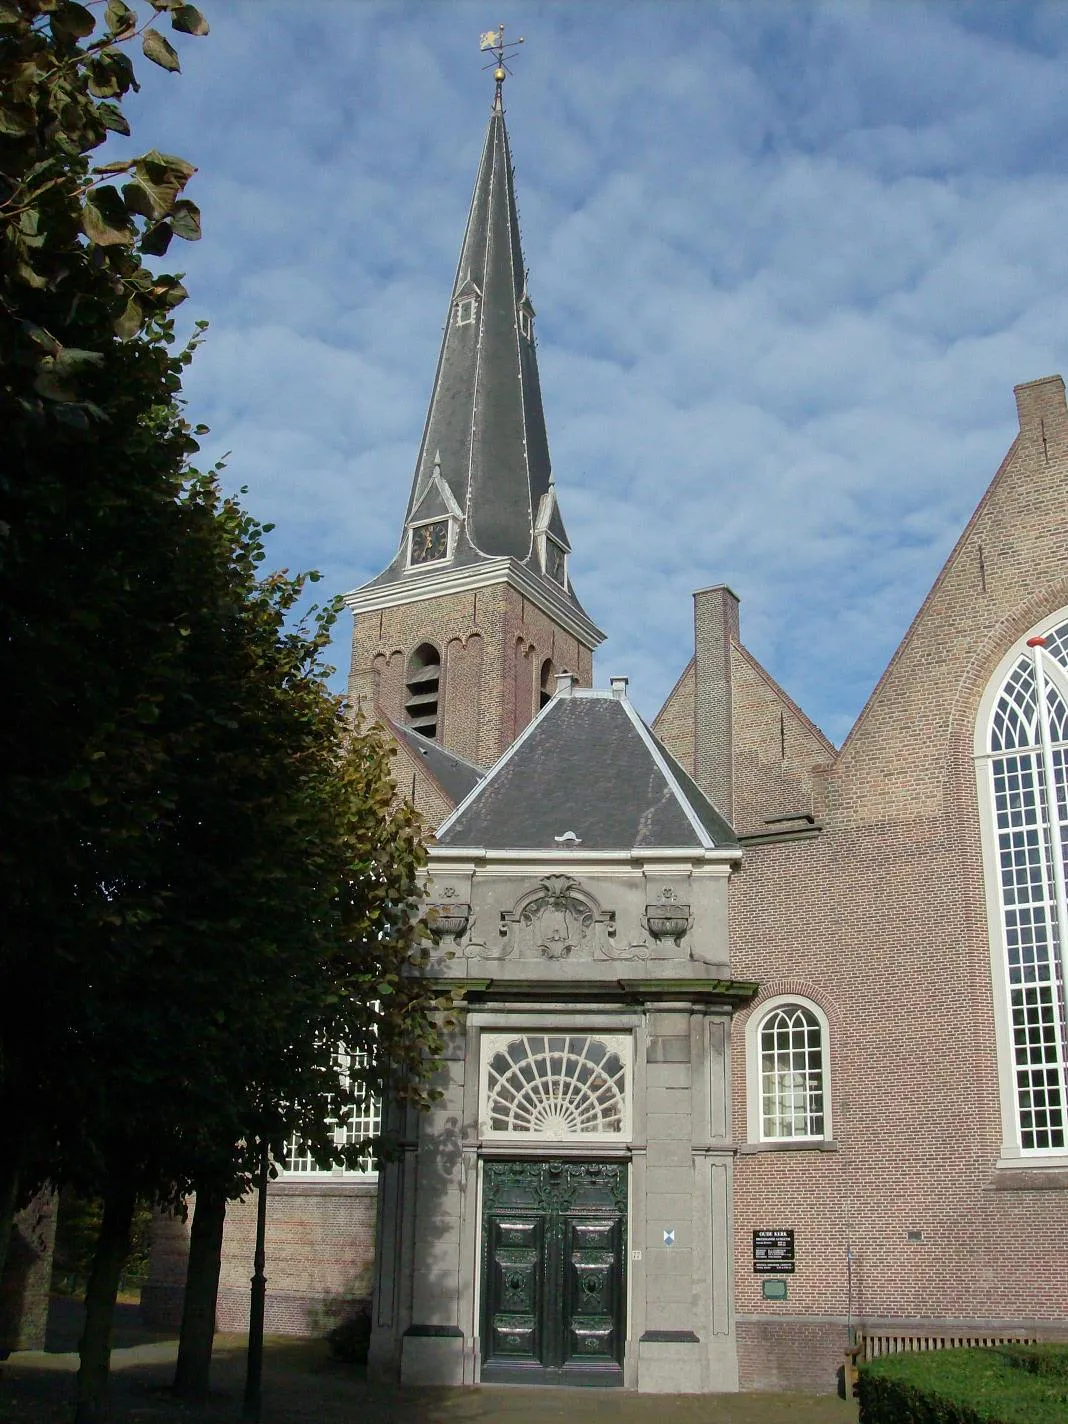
493	643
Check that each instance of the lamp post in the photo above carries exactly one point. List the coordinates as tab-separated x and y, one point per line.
254	1368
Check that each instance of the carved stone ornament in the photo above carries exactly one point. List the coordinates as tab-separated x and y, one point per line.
668	918
556	920
450	917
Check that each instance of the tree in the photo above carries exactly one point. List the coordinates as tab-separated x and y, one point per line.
206	878
90	481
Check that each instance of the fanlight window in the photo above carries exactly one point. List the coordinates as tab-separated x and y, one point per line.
791	1074
556	1086
1027	750
361	1119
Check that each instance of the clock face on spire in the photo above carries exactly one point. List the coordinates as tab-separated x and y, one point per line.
430	542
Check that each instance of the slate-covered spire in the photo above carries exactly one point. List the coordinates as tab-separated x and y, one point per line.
483	467
485	418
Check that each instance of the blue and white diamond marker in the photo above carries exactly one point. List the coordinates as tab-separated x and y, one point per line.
669	1238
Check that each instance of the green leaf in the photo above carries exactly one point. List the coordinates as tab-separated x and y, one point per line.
72	22
30	277
49	385
40	337
185	220
131	321
138	200
119	17
159	5
114	119
170	293
163	176
9	15
122	166
72	359
157	239
110	74
105	218
189	20
17	119
159	50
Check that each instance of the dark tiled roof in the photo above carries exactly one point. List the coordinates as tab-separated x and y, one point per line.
454	774
588	765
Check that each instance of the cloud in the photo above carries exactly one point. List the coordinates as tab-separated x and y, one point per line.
788	262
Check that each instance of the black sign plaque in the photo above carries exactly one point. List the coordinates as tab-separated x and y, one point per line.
773	1251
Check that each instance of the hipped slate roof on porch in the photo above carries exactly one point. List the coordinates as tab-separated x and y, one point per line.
589	765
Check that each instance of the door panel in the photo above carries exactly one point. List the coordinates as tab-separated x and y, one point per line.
516	1252
553	1271
593	1258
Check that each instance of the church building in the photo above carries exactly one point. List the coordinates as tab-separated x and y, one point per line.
759	1044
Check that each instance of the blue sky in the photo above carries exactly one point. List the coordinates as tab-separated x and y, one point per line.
788	262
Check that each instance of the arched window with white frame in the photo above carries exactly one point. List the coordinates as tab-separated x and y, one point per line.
788	1080
1021	752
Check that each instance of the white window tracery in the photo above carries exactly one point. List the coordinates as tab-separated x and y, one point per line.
1024	791
556	1086
787	1062
362	1118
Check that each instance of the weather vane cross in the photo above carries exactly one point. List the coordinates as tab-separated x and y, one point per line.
494	42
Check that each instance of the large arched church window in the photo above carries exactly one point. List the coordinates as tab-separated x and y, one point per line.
1022	746
556	1086
422	685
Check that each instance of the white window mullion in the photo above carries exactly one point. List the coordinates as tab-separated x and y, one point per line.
1056	839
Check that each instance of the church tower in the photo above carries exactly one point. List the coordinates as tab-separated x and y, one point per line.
460	638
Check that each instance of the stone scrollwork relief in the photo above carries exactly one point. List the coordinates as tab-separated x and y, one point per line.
558	919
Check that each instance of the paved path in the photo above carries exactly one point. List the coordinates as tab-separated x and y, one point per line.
302	1385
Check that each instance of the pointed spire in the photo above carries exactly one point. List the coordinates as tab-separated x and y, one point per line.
485	422
483	466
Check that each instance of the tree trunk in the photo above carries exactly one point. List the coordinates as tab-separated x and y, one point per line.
191	1378
112	1248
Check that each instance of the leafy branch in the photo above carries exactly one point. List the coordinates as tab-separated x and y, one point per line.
61	85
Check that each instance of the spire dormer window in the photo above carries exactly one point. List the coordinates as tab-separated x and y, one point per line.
466	310
555	560
525	314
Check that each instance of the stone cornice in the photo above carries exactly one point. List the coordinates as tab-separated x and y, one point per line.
423	584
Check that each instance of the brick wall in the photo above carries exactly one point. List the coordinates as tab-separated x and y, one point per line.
776	748
27	1276
882	919
319	1250
674	723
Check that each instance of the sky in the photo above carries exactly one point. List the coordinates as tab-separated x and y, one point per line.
788	262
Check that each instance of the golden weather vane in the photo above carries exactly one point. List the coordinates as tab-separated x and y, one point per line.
494	41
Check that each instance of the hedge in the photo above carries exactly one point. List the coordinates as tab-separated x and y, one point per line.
1017	1384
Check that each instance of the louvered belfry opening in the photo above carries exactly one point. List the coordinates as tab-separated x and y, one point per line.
423	683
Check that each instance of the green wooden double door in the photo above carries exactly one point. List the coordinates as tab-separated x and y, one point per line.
554	1238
